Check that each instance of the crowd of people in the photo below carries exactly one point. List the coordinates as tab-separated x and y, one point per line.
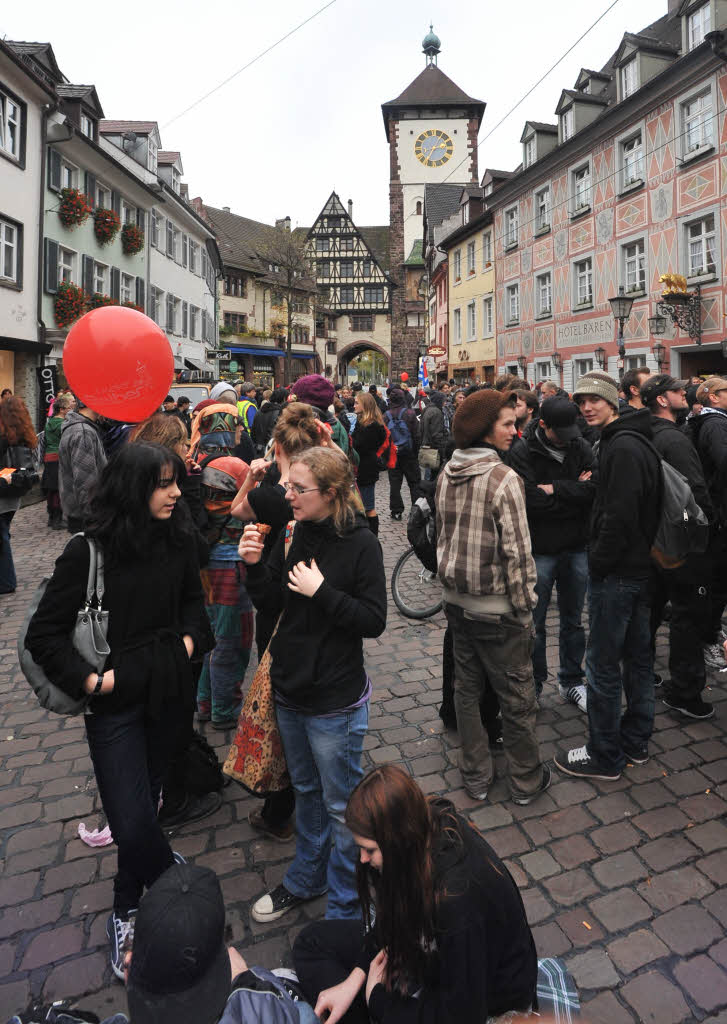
253	518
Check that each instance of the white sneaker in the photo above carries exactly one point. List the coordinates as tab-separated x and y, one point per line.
714	657
575	695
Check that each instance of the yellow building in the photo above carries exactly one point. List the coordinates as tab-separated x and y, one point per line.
471	291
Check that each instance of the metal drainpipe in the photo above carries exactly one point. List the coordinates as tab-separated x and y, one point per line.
48	109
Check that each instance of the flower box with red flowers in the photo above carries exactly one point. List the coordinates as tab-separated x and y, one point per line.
97	300
71	302
133	305
75	208
106	225
132	239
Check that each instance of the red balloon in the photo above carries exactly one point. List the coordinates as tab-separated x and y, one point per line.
119	363
405	376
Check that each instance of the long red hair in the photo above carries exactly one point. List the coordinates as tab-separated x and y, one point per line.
15	422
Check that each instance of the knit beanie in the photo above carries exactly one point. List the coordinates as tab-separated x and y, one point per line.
599	384
220	389
314	390
477	415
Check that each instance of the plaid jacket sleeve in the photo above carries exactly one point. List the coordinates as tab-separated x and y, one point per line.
515	545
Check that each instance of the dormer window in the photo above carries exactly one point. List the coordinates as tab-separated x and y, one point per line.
529	152
629	78
87	126
465	213
151	155
488	190
176	180
567	123
699	24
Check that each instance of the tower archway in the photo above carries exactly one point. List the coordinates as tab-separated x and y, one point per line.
364	361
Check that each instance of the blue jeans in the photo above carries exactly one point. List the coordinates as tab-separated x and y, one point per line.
569	569
619	655
324	761
8	581
368	496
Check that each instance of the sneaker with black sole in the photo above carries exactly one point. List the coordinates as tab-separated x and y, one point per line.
696	708
575	695
120	932
578	762
273	905
523	800
476	794
194	808
641	758
396	515
714	656
281	833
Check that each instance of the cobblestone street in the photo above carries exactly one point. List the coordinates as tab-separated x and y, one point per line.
627	881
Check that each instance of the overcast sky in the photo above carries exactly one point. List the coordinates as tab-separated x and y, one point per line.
306	118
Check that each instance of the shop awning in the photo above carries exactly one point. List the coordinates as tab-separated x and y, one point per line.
245	350
303	355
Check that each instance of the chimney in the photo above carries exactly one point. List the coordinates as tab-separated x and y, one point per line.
225	209
287	223
350	208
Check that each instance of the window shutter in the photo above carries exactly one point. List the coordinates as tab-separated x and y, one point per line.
90	187
184	250
54	170
87	275
170	313
170	238
140	292
184	319
115	283
115	201
152	299
141	219
51	266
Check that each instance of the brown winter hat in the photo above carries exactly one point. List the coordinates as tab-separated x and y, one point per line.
477	415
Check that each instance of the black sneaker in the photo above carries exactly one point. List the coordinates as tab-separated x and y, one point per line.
579	763
396	515
633	758
120	932
523	801
194	808
274	904
696	708
658	680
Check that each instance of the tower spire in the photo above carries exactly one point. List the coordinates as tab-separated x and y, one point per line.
431	46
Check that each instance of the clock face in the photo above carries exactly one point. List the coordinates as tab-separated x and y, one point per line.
433	148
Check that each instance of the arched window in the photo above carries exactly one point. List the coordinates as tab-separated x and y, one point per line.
419	207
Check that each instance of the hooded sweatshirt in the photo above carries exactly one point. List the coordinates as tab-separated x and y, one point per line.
483	540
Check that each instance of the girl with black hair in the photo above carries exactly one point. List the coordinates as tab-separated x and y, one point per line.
444	936
157	623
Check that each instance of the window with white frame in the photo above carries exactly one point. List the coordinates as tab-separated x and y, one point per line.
567	124
87	126
151	154
542	370
67	264
513	303
193	249
512	226
701	243
699	24
583	282
156	305
471	321
470	257
103	196
634	266
486	250
529	151
457	265
632	160
457	327
154	222
582	367
176	247
544	293
100	278
542	208
581	188
634	362
193	322
432	311
128	286
69	175
487	319
11	122
629	78
176	180
9	249
128	213
697	122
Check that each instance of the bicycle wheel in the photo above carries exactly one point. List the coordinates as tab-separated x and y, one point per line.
416	591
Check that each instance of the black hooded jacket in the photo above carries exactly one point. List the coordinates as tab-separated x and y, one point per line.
709	433
628	494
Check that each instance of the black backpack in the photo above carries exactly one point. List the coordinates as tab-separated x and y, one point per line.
202	769
421	528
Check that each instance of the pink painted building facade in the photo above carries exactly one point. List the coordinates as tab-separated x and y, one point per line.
631	183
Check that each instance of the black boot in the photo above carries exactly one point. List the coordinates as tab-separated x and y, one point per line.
373	522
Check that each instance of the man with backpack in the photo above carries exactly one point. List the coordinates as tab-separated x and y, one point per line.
624	523
265	420
404	428
683	586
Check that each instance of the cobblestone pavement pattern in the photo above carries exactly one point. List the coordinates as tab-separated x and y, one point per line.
627	881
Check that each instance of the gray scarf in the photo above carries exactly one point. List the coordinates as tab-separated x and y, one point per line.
558	454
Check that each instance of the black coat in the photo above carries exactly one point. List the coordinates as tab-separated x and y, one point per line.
558	521
626	508
264	422
367	441
709	433
433	430
317	653
152	603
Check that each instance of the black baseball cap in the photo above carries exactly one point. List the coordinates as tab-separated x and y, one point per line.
560	414
180	969
659	384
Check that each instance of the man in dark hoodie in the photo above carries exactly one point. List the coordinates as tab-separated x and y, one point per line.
555	464
433	431
623	526
265	420
404	427
81	457
684	586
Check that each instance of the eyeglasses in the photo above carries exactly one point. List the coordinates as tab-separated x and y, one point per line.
300	490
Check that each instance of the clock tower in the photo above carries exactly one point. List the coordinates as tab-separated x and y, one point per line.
432	130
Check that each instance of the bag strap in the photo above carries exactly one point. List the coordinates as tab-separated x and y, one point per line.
95	583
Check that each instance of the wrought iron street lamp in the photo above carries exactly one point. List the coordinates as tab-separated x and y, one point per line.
522	362
621	309
600	355
659	351
684	310
657	325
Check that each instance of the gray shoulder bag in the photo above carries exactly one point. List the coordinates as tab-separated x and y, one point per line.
89	639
